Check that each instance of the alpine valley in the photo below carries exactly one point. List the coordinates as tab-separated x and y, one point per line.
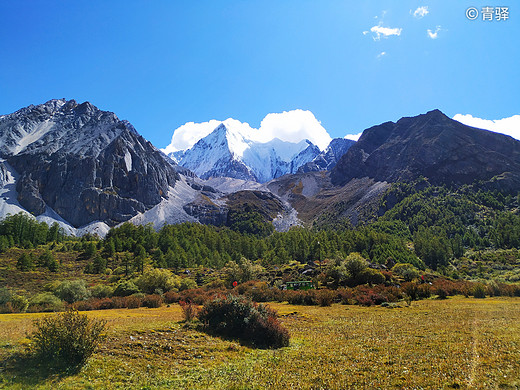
87	170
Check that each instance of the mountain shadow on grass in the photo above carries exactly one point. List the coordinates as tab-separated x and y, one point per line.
22	368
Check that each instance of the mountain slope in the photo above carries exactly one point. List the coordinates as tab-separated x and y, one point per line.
430	145
83	163
328	159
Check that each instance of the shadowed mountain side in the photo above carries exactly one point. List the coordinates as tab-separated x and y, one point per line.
430	145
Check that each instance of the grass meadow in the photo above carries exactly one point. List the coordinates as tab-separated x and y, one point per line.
432	344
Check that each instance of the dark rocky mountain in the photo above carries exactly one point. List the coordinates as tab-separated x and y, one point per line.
434	146
328	159
84	163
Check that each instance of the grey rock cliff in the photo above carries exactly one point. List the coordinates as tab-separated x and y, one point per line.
84	163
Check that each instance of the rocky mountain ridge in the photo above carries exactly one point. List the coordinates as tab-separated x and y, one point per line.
84	167
83	163
433	146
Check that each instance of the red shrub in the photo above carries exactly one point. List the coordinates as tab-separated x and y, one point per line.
368	296
345	296
189	310
84	305
298	297
325	297
132	302
258	291
118	302
105	303
199	296
171	297
152	301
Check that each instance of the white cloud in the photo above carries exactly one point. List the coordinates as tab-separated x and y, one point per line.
382	54
385	32
353	137
434	34
509	126
292	126
420	12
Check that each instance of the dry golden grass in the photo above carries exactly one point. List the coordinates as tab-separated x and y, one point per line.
456	343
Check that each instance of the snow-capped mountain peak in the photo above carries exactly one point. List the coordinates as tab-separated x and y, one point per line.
232	151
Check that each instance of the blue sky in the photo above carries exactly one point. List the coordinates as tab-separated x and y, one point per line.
161	64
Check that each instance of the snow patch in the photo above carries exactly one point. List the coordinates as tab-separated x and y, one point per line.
128	161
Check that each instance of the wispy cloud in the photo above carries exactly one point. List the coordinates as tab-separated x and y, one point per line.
385	32
381	55
509	126
420	12
434	34
383	13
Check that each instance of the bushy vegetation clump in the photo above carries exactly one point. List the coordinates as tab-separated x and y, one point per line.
65	340
11	302
72	290
45	302
239	318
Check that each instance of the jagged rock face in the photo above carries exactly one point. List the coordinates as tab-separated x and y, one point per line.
84	163
207	212
4	175
430	145
328	159
265	203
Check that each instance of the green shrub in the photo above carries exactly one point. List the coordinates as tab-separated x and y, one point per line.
72	291
406	270
101	291
479	290
66	339
186	284
45	301
25	262
19	303
154	279
5	295
240	318
126	288
48	260
371	276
